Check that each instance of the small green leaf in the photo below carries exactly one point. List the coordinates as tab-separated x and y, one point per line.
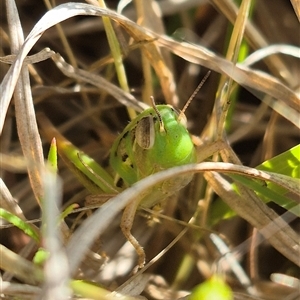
25	227
68	211
213	288
88	289
40	257
52	155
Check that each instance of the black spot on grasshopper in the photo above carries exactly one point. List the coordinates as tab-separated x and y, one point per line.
124	157
120	183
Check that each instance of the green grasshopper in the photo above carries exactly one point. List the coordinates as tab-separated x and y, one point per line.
157	139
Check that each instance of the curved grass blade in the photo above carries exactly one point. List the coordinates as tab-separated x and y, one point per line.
28	229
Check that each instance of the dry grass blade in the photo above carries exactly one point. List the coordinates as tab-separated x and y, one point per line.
234	47
100	82
27	291
20	267
296	5
258	81
25	114
31	59
8	202
150	16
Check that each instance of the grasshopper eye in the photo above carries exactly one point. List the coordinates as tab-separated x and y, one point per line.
145	133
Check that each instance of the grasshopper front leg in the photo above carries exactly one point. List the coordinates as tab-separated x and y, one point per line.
126	225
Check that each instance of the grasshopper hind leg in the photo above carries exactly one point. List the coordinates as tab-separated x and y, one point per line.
126	225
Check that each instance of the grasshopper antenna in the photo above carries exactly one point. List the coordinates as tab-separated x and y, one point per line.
193	95
161	123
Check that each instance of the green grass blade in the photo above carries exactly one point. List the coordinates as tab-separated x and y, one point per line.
89	172
286	163
117	55
91	175
268	194
286	168
52	155
68	211
16	221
